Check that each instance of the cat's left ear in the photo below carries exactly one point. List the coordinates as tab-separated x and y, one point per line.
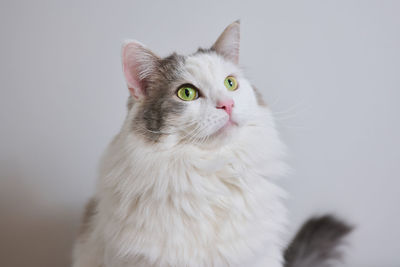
228	42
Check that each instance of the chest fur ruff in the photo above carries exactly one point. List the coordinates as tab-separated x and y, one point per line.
186	207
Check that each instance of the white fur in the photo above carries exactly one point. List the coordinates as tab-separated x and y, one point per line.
180	204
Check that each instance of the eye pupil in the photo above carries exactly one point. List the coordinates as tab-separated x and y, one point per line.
230	83
188	92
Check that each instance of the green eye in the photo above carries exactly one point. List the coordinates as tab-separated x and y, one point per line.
231	83
188	93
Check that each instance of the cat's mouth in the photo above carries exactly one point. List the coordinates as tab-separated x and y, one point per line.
221	132
225	129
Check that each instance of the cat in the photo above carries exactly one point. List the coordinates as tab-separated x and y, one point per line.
190	178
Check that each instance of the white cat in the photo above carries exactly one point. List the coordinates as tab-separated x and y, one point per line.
189	180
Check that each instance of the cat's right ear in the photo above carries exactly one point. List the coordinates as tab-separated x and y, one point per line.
228	42
138	63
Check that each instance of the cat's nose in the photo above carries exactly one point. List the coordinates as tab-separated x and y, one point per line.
226	105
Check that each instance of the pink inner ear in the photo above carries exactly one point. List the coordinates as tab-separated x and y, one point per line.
131	67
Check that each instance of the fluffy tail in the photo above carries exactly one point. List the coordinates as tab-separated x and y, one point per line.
317	243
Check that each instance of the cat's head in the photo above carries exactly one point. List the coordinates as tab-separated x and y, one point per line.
202	98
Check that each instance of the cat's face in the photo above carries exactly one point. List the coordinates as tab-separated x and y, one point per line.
202	99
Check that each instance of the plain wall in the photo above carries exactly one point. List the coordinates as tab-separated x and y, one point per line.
328	69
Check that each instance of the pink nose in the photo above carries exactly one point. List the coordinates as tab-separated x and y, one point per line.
227	105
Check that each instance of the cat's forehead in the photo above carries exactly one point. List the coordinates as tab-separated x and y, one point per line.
208	68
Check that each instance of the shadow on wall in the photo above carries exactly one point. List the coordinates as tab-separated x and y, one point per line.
33	232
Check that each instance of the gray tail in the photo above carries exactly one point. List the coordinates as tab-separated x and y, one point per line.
317	243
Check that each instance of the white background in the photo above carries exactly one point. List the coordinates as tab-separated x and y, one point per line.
329	69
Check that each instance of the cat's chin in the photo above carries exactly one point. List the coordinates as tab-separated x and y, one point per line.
226	129
221	136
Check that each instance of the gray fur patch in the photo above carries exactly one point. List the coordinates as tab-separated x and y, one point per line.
130	102
90	211
160	103
205	51
317	243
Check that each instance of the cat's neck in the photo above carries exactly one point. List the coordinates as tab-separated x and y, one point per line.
133	162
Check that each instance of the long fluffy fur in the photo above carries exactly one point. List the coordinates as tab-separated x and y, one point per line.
318	242
187	207
188	184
